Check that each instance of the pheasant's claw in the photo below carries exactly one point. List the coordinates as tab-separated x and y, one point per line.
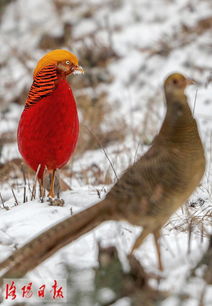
56	202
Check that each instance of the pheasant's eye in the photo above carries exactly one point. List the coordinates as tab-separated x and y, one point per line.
175	81
67	62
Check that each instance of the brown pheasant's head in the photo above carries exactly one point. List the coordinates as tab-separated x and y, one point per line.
178	109
65	62
176	84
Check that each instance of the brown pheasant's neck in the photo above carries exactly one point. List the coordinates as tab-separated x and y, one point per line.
178	107
179	123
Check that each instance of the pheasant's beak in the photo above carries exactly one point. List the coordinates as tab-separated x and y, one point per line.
191	82
78	70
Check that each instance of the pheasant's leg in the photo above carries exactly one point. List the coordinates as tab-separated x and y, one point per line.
51	190
54	188
156	235
140	239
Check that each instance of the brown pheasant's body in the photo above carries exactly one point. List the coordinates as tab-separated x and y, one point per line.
147	194
163	178
153	188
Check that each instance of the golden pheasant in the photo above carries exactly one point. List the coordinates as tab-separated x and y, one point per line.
48	128
146	195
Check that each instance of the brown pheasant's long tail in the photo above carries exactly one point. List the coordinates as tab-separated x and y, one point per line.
40	248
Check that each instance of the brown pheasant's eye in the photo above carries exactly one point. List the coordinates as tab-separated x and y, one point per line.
175	81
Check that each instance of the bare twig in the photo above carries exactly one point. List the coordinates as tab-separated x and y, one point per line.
2	201
189	236
195	100
35	183
16	201
100	145
24	178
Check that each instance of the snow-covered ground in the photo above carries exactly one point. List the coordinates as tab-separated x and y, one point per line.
151	39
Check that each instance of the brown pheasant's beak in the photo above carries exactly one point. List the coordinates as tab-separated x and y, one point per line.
191	82
78	70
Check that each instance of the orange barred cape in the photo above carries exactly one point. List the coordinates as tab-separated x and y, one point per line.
42	86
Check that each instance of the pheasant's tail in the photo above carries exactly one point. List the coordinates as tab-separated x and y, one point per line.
40	248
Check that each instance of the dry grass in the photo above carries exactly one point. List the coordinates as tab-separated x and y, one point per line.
10	170
90	175
94	111
183	36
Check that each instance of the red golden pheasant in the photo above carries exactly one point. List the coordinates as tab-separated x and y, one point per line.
49	127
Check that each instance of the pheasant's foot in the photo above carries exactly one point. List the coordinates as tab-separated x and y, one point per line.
56	202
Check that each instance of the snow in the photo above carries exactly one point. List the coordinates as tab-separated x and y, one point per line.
141	32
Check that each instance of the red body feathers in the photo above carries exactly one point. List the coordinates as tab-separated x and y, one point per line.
48	129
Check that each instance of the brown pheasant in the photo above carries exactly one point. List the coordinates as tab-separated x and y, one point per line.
147	194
